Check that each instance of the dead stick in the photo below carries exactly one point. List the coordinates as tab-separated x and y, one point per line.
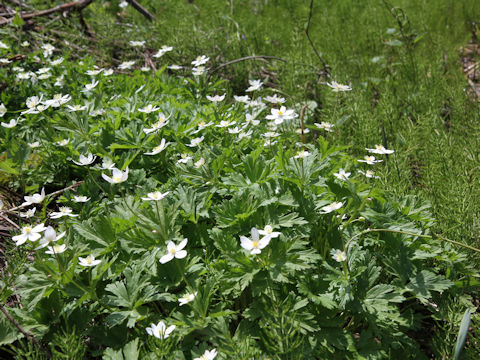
324	64
9	221
141	9
51	194
253	57
74	5
302	115
17	325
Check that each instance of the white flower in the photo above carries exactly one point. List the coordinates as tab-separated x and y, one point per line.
33	101
107	72
164	49
202	125
85	160
155	196
3	110
49	236
342	175
23	76
302	131
225	123
90	86
216	98
379	149
245	135
57	61
270	134
137	43
88	261
160	330
174	251
10	124
64	211
195	142
325	126
369	174
56	249
149	108
208	355
157	126
187	298
200	60
59	81
76	107
5	61
107	164
94	72
157	149
97	112
123	4
370	160
34	145
3	45
250	119
199	163
29	232
302	154
282	114
336	87
126	65
80	198
275	99
339	255
268	231
243	99
145	68
118	176
58	99
48	50
255	245
25	44
199	71
44	76
235	130
332	207
184	158
43	71
174	67
29	213
63	142
254	85
34	199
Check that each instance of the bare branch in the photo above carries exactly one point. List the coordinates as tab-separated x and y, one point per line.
325	66
74	5
253	57
141	9
51	194
17	325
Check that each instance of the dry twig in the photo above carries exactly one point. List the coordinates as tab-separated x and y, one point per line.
51	194
74	5
141	9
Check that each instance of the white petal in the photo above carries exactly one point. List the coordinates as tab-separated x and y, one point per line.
181	254
166	258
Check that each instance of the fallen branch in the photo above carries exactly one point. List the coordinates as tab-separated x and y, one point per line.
325	66
51	194
141	9
253	57
74	5
17	325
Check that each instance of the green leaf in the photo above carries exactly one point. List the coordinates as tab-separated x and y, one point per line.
8	332
462	334
424	282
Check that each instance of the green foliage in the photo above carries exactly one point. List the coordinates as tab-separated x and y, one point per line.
364	281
